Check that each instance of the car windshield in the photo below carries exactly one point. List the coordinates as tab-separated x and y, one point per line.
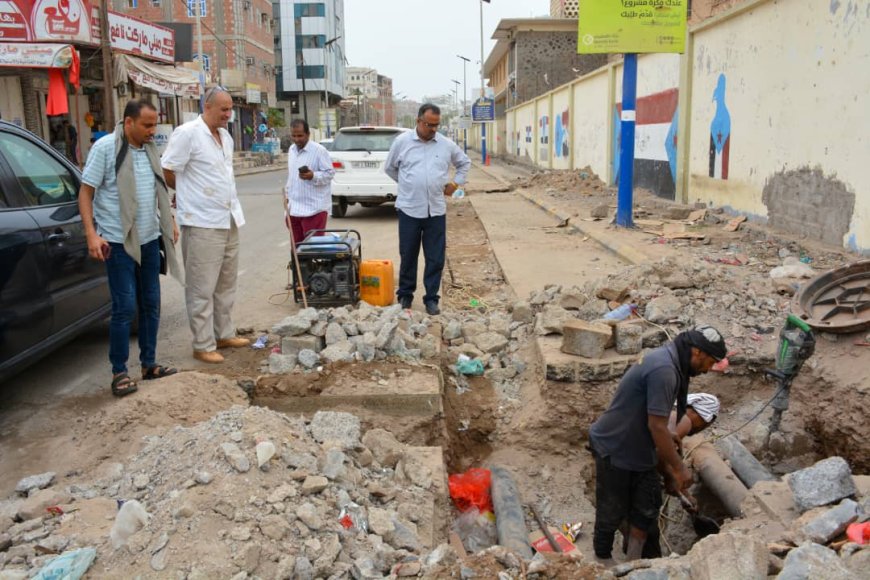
327	144
379	140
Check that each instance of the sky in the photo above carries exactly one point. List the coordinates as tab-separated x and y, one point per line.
415	42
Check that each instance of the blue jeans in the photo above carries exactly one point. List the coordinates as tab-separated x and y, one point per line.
431	233
134	287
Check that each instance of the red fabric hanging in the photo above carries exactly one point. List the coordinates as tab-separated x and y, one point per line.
58	101
74	70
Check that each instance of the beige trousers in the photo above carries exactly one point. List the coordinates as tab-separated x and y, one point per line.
211	265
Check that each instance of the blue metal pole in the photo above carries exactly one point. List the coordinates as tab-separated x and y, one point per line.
626	157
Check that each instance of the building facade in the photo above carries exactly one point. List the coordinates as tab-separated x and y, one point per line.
564	8
310	57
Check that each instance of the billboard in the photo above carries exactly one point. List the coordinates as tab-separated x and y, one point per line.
70	21
631	26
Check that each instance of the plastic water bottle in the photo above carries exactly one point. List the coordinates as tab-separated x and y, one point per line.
621	313
459	193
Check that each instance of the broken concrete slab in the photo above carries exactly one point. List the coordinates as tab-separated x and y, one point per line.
559	366
831	523
776	499
809	561
742	556
587	339
551	320
826	482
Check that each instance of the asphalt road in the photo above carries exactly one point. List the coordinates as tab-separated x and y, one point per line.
82	368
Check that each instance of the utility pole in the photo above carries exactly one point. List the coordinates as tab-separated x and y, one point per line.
201	55
482	88
465	62
327	46
108	72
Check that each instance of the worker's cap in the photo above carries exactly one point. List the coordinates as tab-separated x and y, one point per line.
705	405
709	340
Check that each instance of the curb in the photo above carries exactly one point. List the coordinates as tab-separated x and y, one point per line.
261	169
621	249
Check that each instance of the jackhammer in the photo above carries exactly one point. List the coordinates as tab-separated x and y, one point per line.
796	345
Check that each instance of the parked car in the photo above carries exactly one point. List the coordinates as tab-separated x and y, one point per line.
50	290
358	155
328	144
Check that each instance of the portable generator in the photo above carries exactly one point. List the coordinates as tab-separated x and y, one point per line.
329	262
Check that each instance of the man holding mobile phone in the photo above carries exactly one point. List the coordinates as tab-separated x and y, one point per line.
308	193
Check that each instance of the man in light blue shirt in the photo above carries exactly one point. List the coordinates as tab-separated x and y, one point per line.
419	161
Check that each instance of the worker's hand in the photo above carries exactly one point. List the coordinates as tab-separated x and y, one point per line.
678	481
173	201
98	248
450	188
307	175
175	233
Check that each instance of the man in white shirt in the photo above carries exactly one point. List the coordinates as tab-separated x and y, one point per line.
308	193
198	163
419	161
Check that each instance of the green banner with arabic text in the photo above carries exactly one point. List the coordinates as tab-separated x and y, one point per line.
611	26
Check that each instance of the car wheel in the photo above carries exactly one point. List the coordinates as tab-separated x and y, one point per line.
339	209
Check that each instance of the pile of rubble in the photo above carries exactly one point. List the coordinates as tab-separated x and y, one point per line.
250	491
576	181
671	295
313	337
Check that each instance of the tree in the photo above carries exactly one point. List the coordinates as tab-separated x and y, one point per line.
275	118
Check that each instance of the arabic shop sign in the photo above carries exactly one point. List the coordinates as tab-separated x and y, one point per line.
610	26
134	36
49	21
35	55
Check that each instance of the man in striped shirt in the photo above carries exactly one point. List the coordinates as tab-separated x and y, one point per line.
308	193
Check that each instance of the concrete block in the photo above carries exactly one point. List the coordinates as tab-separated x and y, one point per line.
551	319
294	344
587	339
831	523
663	309
811	560
826	482
612	294
573	300
522	312
629	337
729	555
775	498
563	367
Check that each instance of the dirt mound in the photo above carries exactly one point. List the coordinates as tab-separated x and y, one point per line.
580	181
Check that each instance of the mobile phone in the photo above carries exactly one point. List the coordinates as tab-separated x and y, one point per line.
303	169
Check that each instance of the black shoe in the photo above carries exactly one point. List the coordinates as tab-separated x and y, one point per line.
432	309
406	301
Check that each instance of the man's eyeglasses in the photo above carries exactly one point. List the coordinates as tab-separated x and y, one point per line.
430	125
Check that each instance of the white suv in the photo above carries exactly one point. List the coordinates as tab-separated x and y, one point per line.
358	156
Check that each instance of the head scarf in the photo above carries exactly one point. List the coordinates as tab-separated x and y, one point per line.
709	340
706	406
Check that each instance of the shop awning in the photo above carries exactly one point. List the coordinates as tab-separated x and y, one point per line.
35	55
158	77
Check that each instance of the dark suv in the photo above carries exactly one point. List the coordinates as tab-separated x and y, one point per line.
50	290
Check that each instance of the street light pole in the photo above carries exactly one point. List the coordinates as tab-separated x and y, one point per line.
465	62
482	89
327	46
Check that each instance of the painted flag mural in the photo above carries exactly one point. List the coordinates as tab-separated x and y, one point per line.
655	143
720	133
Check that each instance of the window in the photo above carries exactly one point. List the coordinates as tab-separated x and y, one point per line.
43	179
155	3
309	9
191	8
206	61
132	3
310	41
264	20
310	72
364	140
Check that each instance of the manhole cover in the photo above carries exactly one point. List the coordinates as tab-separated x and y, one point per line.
837	301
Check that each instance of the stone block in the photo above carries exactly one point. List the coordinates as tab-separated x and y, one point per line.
678	212
831	523
613	293
811	560
600	211
522	312
573	299
343	428
587	339
551	320
280	364
294	344
34	506
35	482
629	337
728	555
775	498
562	367
387	450
490	342
824	483
663	309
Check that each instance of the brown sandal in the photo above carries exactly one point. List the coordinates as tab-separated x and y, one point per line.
123	385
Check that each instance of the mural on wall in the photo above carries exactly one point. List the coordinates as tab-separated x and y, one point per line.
544	138
720	133
563	138
655	143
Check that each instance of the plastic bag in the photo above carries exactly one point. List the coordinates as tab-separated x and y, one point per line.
471	489
131	518
353	517
70	565
792	268
859	533
476	530
469	366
